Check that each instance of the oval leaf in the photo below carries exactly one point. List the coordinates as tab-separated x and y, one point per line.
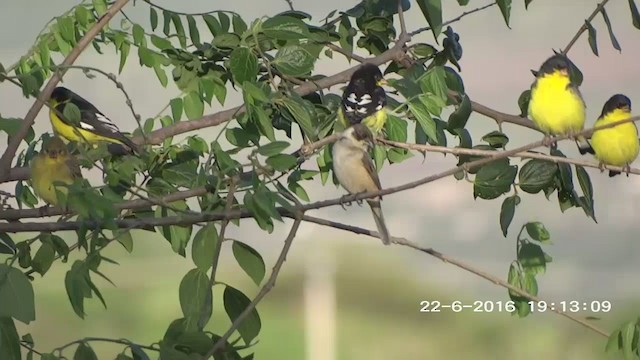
250	261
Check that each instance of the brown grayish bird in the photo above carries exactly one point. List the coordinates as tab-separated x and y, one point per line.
355	170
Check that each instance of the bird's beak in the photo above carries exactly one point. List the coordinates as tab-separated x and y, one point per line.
382	82
626	108
564	72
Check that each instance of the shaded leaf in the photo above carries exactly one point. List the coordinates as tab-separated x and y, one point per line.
458	118
243	64
535	175
507	212
635	15
592	37
194	292
432	11
537	231
494	179
204	245
293	60
9	340
16	295
235	302
250	261
505	9
285	28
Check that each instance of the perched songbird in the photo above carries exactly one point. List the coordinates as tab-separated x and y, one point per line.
556	105
617	145
53	165
364	99
355	170
93	127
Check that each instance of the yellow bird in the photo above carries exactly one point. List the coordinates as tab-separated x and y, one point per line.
617	145
364	99
94	126
556	105
50	168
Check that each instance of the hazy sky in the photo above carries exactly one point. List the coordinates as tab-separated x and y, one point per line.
444	215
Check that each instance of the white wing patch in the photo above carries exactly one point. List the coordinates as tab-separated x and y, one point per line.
86	126
362	110
379	107
366	99
106	122
348	108
353	98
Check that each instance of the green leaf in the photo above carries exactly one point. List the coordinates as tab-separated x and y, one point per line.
71	113
160	42
204	246
346	33
536	175
194	34
507	211
628	335
282	162
162	76
177	23
176	108
297	107
239	26
505	9
244	65
496	139
613	341
100	6
124	53
434	82
11	127
43	259
213	24
178	236
463	2
285	28
612	36
458	118
587	203
84	352
193	105
235	302
425	120
537	231
16	295
124	238
273	148
9	340
523	102
293	60
254	91
494	179
592	37
226	41
635	15
153	18
250	261
526	4
194	293
532	258
432	11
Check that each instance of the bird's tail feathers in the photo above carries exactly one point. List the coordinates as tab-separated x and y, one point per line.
584	146
379	219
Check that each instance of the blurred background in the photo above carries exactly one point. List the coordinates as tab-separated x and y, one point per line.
342	296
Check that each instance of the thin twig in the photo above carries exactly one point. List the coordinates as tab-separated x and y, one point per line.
290	3
348	54
223	229
418	31
186	13
583	28
264	290
528	155
16	139
403	26
494	279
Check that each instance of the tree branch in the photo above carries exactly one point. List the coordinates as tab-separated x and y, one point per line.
156	137
271	282
529	155
14	142
418	31
494	279
583	28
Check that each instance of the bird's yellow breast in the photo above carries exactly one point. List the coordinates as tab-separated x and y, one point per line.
554	107
76	134
618	145
46	171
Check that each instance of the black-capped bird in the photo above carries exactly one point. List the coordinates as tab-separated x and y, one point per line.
364	99
94	126
355	170
556	105
52	167
617	145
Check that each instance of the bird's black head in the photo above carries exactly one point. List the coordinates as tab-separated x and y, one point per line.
617	101
60	94
368	76
557	62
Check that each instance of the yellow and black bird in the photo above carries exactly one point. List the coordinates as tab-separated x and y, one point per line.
556	105
617	145
50	168
364	99
94	126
